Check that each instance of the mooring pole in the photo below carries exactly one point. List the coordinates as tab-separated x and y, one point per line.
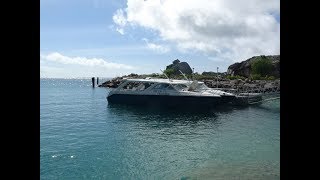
97	81
93	82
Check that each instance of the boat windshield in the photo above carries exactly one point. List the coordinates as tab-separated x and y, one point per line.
202	86
198	87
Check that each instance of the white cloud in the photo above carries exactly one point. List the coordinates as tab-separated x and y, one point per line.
120	20
57	65
156	47
228	29
120	30
83	61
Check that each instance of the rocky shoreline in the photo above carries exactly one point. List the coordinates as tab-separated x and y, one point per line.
239	75
239	84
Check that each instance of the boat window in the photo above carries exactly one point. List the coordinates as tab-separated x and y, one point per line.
180	87
147	85
161	86
137	86
169	88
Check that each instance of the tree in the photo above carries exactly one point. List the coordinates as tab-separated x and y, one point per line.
169	72
262	66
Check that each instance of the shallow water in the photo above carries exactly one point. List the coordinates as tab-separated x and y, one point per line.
82	137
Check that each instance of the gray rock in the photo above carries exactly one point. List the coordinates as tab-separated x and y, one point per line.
269	85
177	61
113	83
182	66
235	81
244	68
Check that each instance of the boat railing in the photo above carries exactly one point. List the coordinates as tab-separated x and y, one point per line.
253	95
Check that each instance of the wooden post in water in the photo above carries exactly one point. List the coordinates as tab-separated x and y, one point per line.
93	81
97	81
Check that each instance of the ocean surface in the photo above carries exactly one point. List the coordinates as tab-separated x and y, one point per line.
83	137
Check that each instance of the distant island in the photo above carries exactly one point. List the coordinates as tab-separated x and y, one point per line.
258	71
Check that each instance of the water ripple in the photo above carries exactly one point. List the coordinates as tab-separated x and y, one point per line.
82	137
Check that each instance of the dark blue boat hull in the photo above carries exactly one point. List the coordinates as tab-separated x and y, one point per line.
171	101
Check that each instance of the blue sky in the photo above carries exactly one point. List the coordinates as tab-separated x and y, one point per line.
84	38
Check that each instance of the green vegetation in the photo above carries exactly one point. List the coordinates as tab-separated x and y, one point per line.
256	77
171	75
196	76
259	77
169	72
201	77
261	69
253	77
155	75
271	78
261	66
209	73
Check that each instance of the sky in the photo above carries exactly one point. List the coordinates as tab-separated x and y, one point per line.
108	38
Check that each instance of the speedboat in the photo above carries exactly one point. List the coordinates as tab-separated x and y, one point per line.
168	92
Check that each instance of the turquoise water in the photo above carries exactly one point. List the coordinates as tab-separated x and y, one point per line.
82	137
